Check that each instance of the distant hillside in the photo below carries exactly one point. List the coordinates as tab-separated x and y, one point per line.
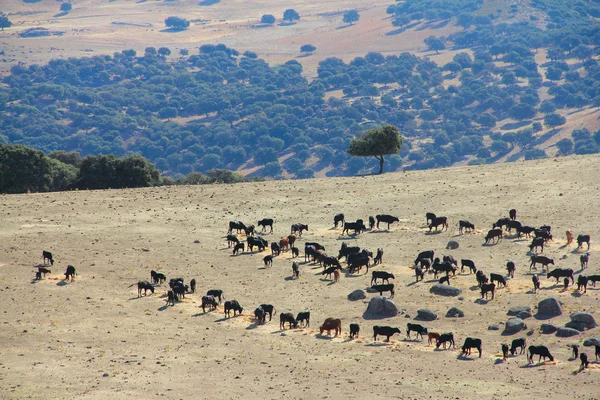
514	82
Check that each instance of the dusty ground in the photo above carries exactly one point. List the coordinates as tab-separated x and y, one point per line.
95	339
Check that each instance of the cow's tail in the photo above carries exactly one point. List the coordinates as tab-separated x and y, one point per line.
132	285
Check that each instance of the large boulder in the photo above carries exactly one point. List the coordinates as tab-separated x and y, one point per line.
455	312
580	326
514	325
452	245
426	315
549	308
381	307
524	315
358	294
548	328
566	332
445	290
585	318
513	311
592	342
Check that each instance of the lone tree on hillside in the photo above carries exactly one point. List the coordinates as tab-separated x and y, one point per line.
308	48
267	19
554	120
4	22
290	15
434	43
376	142
177	23
351	16
66	7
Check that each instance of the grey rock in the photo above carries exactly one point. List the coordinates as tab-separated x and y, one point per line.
549	307
407	316
524	315
548	328
358	294
513	311
455	312
580	326
445	290
514	325
494	327
566	332
592	342
380	306
530	332
196	241
460	298
452	245
425	314
585	318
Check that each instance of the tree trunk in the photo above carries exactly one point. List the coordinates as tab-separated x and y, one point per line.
380	158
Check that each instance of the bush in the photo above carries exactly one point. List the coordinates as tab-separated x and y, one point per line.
177	23
268	19
66	7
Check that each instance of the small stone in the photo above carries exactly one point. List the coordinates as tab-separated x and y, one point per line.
494	327
452	245
196	241
105	374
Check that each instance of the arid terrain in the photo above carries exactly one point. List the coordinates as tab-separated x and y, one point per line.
93	338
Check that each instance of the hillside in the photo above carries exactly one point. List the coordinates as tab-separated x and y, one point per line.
94	338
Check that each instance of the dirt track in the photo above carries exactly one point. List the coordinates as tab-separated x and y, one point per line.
60	339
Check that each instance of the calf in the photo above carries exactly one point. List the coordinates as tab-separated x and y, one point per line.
468	263
469	344
481	278
303	317
445	338
145	286
569	237
287	317
295	252
379	257
518	344
584	360
331	324
444	279
232	305
47	256
537	242
357	227
354	330
275	249
425	264
171	297
431	336
44	271
593	279
504	351
238	247
38	275
541	351
70	273
180	289
384	288
269	309
295	270
284	244
388	219
512	214
487	287
442	267
582	281
561	273
266	222
417	328
232	240
216	293
371	222
525	230
339	218
583	260
259	314
268	260
249	230
581	239
419	273
466	225
510	268
425	255
292	239
299	228
545	261
193	286
329	271
536	283
493	234
386	331
384	276
209	301
498	278
437	221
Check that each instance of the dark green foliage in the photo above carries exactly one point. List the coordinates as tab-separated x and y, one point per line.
554	120
351	16
177	23
377	142
66	7
5	22
565	146
307	48
291	15
24	169
103	172
434	43
535	154
267	19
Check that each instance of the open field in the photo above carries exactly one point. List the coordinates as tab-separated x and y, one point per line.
95	339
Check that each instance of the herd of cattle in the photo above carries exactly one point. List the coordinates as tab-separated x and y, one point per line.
356	258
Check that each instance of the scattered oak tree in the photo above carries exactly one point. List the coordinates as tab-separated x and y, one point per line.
291	15
267	19
308	48
554	120
351	16
177	23
4	22
66	7
434	43
377	143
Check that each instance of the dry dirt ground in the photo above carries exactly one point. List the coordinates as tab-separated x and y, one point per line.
93	338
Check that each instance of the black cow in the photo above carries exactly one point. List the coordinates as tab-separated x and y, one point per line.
540	260
295	269
298	228
357	226
379	257
437	221
338	218
295	252
316	245
346	250
384	276
269	309
597	351
175	282
541	351
513	225
450	260
425	264
232	240
525	230
388	219
575	349
536	283
275	248
584	360
467	263
512	214
466	225
502	222
331	262
443	339
469	344
70	273
258	242
582	281
444	279
232	305
504	351
289	318
237	225
193	286
266	222
160	278
544	234
498	278
145	286
259	314
238	247
217	293
481	278
357	261
384	288
180	289
581	239
510	267
303	317
537	242
516	344
487	287
47	256
430	217
417	328
249	230
386	331
561	273
493	234
371	222
583	260
354	330
209	301
171	298
331	270
446	267
268	260
593	279
425	255
419	273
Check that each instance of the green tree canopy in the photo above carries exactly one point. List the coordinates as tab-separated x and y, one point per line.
377	142
177	23
351	16
267	19
66	7
4	22
307	48
291	15
434	43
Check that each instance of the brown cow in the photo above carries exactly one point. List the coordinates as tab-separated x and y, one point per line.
331	323
284	244
336	275
433	336
292	239
569	237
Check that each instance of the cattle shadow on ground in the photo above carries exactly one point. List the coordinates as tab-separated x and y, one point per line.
576	294
433	232
378	344
482	301
225	318
462	357
442	349
411	340
134	298
202	313
325	337
579	250
62	283
349	237
490	244
34	281
536	365
163	308
412	283
379	231
289	278
253	325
